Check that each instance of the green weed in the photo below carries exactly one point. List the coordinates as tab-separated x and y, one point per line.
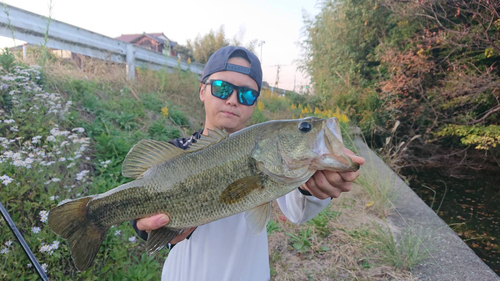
162	132
320	221
7	60
272	226
177	116
301	242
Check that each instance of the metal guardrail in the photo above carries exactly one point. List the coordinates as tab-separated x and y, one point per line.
31	27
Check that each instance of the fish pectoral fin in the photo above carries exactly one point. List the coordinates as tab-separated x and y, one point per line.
159	238
258	217
236	191
146	154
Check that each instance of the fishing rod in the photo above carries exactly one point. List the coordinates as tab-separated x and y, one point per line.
23	243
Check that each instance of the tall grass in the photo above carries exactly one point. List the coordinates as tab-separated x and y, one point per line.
404	251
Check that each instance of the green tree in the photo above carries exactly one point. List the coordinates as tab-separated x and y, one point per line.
204	46
431	66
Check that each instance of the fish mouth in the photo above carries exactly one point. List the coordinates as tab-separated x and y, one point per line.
330	149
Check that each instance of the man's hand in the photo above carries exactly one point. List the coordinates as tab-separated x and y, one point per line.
154	222
329	184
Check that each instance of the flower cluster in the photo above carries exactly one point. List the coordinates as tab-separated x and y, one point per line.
6	179
44	216
6	249
44	248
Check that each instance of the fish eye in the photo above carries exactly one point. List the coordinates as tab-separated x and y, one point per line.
305	126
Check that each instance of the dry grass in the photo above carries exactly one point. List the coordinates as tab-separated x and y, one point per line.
343	254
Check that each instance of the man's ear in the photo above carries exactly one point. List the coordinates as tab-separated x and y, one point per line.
202	92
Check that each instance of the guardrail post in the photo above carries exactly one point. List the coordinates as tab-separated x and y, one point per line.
130	62
24	51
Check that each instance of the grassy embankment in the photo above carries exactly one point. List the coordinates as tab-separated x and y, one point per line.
66	131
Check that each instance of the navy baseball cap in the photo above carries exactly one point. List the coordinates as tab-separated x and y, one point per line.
218	62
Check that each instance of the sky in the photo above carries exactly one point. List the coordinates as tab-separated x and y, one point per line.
279	23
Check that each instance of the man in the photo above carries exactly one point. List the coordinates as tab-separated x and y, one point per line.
226	249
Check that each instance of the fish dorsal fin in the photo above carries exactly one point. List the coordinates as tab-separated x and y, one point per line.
148	153
258	217
214	136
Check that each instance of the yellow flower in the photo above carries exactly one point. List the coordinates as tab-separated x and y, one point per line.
164	111
293	106
260	105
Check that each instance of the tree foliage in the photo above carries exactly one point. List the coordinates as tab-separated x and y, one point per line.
204	46
430	64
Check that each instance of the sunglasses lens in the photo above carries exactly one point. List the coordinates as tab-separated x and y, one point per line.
247	96
221	89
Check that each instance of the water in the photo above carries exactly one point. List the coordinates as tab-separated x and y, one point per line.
471	206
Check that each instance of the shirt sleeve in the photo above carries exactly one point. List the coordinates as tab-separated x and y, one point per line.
299	208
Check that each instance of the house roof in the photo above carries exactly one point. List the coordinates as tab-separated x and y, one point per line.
131	38
128	37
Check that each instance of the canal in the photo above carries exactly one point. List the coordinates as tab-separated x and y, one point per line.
469	204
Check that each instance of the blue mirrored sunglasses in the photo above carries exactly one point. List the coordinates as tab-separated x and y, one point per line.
223	90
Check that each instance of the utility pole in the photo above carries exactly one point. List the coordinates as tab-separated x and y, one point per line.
260	44
276	83
277	76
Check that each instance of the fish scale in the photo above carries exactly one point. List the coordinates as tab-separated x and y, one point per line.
217	177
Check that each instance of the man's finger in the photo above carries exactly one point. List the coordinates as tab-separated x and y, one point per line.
349	176
355	158
153	222
314	189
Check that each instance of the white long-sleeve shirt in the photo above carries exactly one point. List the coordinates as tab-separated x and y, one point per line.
227	249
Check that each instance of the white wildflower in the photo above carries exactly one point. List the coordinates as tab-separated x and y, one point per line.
8	121
56	179
51	138
4	251
118	232
62	159
29	265
44	267
81	175
44	248
71	165
8	243
52	198
54	245
6	179
14	129
131	239
35	229
78	130
44	215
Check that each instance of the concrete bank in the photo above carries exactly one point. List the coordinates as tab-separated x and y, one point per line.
451	258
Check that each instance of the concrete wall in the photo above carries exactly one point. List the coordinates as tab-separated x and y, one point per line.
451	258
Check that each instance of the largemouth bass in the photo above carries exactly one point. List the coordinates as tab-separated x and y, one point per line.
218	176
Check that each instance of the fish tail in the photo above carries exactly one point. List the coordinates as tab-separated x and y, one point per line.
84	237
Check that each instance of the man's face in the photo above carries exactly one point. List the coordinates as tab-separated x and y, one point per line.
228	114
